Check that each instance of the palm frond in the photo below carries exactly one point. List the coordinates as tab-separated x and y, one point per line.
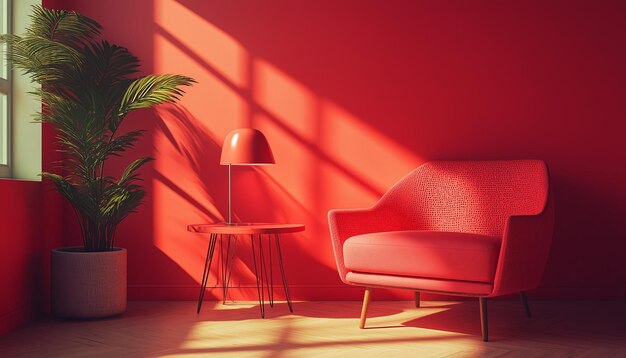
79	198
151	90
52	41
63	186
40	58
120	202
62	25
129	175
105	77
108	64
122	142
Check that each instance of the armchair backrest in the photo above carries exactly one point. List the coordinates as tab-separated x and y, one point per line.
468	196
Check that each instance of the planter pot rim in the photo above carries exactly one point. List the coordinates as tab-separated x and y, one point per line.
78	250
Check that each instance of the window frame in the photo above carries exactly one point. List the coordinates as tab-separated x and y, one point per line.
6	89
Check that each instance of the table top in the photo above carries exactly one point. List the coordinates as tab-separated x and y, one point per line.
245	228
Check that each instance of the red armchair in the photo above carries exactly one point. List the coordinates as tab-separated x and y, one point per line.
468	228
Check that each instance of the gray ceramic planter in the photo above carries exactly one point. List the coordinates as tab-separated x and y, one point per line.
88	284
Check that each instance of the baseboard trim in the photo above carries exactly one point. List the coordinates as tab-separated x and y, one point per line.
346	292
242	292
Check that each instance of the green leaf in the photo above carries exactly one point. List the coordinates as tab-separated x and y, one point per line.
129	174
62	25
151	90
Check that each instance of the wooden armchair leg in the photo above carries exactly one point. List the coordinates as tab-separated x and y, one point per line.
417	299
483	319
366	302
522	296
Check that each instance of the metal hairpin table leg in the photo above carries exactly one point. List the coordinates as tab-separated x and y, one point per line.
207	268
229	262
259	280
271	285
270	294
282	273
224	264
262	267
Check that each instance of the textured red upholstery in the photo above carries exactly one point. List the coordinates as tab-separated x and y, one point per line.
427	254
471	196
508	200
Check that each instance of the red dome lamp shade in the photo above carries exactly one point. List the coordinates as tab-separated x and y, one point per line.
244	146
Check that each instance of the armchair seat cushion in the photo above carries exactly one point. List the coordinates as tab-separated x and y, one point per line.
427	254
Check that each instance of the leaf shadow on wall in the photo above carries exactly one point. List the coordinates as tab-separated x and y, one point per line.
316	171
196	179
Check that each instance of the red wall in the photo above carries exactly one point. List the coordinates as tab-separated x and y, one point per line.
351	96
20	258
30	225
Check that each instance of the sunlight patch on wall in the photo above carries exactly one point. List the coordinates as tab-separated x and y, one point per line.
181	187
218	104
219	50
326	157
286	99
189	184
339	158
187	250
292	171
363	150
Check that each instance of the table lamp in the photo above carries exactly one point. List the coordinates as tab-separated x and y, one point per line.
244	146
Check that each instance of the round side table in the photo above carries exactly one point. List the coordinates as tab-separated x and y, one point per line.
227	232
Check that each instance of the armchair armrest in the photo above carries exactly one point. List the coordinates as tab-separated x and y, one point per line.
345	223
524	251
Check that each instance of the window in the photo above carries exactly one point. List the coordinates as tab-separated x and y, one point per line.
5	91
20	138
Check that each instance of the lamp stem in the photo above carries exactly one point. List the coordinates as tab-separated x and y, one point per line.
229	199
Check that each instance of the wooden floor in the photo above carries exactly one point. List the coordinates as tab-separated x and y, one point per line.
329	329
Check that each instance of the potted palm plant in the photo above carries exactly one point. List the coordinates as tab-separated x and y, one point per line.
88	87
